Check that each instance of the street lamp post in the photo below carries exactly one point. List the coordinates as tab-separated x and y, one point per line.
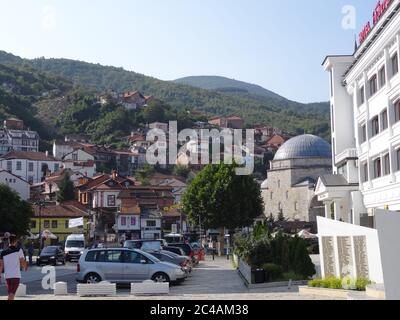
40	204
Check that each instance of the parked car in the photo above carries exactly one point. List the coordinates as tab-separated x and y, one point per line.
167	256
74	247
51	255
148	244
175	250
187	249
123	265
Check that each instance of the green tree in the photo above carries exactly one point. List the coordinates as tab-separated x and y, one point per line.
220	198
15	214
143	175
66	189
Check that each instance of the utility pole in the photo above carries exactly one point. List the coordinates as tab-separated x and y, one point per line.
40	204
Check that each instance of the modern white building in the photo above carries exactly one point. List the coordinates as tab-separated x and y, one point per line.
30	166
362	197
21	186
365	113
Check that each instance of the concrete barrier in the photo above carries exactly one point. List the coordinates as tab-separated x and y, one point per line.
60	289
150	288
101	289
21	292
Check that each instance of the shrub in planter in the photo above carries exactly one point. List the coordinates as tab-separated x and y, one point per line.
272	271
333	283
361	284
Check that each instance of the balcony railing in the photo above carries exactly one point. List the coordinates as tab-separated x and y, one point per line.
350	153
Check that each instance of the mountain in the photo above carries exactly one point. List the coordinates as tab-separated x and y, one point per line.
223	84
254	104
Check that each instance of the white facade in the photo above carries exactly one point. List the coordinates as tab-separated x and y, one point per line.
18	140
106	199
128	223
151	228
30	170
17	184
365	107
80	161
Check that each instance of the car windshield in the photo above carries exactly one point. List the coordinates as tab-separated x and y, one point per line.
75	244
49	250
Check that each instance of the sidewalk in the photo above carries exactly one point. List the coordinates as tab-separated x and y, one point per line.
211	280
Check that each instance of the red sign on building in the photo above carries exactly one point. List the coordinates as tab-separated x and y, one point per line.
380	9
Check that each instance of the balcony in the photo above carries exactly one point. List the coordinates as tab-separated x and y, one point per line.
350	153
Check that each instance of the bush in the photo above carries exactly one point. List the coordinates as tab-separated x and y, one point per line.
337	283
362	283
272	272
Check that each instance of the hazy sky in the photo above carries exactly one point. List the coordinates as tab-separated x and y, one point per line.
278	44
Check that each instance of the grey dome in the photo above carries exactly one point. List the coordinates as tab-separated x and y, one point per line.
305	146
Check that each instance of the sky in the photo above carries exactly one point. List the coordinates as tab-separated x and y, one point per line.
278	44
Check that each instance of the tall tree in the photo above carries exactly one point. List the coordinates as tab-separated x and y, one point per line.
66	189
218	198
15	214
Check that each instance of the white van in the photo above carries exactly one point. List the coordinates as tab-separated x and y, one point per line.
74	247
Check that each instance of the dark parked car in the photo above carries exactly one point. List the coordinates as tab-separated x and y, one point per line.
187	249
170	257
175	250
51	255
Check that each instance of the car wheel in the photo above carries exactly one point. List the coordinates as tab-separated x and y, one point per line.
160	277
92	278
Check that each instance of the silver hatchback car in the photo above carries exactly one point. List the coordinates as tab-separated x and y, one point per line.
122	265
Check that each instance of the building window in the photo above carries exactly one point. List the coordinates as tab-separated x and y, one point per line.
295	206
66	224
75	157
272	195
373	85
151	223
395	64
398	159
56	167
33	224
386	162
363	133
111	201
362	95
382	77
287	195
30	179
377	168
375	126
54	224
397	111
365	172
279	183
384	119
46	224
123	221
30	166
133	221
9	166
19	165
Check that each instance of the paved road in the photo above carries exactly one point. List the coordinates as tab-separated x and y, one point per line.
212	280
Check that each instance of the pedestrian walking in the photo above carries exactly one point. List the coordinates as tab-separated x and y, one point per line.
12	261
31	251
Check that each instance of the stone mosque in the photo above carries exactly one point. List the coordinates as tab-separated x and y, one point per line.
289	188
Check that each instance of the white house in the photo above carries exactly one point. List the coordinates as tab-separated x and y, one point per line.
21	186
80	161
30	166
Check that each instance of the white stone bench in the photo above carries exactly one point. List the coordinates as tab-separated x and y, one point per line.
60	289
21	292
150	287
101	289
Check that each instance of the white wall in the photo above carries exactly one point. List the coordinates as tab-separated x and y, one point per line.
20	186
332	228
388	225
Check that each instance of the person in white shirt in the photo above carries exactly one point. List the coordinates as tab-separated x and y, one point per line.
12	261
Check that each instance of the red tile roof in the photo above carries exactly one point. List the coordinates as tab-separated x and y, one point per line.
27	155
71	209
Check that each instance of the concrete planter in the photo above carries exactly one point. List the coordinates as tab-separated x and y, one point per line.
325	292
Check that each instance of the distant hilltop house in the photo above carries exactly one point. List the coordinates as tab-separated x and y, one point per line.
230	122
131	100
13	137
